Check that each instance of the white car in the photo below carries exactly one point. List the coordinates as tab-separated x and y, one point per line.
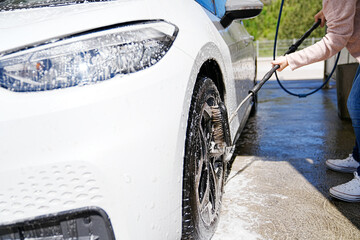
114	115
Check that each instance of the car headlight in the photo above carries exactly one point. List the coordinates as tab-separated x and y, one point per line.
87	58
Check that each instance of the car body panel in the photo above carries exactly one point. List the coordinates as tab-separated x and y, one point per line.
109	127
123	138
243	62
27	27
243	59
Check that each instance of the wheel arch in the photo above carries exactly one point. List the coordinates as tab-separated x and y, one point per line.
211	69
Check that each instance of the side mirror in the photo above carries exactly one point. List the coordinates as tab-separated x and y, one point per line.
240	9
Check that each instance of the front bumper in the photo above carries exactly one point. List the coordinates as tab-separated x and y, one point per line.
86	224
117	145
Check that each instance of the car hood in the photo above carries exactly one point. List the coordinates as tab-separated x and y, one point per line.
26	27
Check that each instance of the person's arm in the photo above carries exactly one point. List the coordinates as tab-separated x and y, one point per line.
282	61
340	22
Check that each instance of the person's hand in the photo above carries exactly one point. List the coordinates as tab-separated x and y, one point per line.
282	61
320	16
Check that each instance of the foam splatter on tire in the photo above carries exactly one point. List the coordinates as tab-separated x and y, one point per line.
204	165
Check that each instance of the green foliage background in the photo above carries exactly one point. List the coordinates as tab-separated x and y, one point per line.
297	17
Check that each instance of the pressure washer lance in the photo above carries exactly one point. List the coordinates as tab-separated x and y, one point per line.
268	75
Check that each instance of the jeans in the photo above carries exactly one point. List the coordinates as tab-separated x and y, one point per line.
353	105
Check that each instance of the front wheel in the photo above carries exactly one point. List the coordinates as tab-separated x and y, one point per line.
204	164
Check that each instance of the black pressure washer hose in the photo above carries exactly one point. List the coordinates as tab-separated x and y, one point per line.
268	75
303	38
291	49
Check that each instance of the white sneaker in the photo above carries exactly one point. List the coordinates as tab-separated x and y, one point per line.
348	192
347	165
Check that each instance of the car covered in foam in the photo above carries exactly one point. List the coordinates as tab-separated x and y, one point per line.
114	116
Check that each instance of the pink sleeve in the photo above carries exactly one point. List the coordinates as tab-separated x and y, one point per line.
340	22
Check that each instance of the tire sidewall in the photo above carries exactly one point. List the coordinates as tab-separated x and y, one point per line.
200	230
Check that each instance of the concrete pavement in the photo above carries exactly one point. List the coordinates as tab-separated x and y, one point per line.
278	187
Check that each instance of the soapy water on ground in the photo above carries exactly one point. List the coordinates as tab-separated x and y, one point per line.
236	220
279	184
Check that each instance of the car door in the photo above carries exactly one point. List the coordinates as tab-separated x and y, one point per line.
243	58
241	47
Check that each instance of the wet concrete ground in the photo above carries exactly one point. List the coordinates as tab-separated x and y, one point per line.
278	187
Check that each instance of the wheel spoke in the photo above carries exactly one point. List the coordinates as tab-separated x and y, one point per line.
205	204
207	110
213	176
206	122
203	151
215	183
206	195
206	212
202	175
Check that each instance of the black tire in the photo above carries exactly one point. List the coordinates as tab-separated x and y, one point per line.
204	165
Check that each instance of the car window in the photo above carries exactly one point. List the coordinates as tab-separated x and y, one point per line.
217	7
220	8
6	5
208	4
